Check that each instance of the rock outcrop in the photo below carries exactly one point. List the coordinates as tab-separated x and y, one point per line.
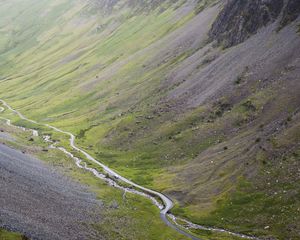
242	18
291	12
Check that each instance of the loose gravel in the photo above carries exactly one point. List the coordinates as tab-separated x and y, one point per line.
41	203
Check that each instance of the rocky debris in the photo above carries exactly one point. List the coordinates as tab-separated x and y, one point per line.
41	203
114	204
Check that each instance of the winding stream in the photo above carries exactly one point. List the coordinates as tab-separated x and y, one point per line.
145	192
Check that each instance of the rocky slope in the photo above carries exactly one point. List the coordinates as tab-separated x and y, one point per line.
241	19
41	203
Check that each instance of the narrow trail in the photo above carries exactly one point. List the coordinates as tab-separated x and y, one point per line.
148	193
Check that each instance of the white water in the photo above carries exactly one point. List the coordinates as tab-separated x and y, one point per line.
79	163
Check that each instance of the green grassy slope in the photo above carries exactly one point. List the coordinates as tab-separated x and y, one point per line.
106	73
5	235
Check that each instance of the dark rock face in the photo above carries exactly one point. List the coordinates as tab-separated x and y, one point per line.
291	12
241	18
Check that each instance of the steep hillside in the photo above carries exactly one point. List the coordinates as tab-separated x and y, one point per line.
198	99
